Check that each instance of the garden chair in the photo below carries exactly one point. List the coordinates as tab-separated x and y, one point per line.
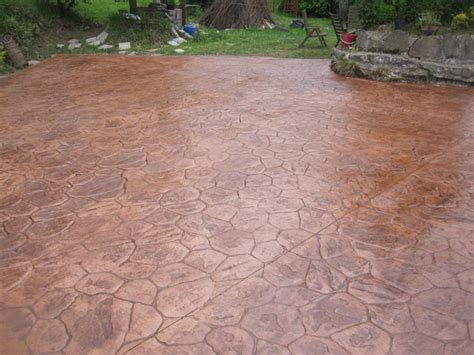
312	31
338	26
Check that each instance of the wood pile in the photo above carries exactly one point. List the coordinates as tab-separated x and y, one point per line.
224	14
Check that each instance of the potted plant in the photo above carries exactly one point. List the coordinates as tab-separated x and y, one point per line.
429	22
172	4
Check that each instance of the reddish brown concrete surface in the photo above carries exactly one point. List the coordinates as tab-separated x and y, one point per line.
233	205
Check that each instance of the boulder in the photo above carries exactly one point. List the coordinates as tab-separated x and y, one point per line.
459	47
124	46
398	42
372	41
428	47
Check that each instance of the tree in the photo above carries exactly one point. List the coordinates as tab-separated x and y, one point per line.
133	6
344	9
224	14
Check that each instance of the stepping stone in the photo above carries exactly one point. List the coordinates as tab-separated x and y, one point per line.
74	45
179	40
91	40
71	41
102	37
124	46
105	46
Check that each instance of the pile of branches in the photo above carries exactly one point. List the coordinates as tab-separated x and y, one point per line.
224	14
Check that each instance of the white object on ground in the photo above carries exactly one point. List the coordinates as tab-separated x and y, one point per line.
173	43
106	46
91	40
33	62
179	50
124	46
74	45
102	37
179	40
60	45
71	41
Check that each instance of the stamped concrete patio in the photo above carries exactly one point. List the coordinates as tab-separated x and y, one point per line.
233	205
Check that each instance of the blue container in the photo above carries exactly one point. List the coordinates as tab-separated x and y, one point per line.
190	29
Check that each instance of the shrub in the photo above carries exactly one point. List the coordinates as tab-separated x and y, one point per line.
428	18
375	12
21	22
460	21
3	55
317	7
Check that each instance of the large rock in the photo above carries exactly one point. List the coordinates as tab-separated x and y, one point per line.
428	47
372	41
459	47
398	42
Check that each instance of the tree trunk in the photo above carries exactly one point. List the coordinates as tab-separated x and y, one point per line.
343	9
133	6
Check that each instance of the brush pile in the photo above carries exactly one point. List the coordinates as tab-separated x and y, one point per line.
224	14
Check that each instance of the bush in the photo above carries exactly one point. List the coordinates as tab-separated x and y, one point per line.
375	12
460	21
319	8
21	22
3	55
446	9
428	18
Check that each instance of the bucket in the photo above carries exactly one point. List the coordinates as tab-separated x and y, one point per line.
348	39
14	53
190	29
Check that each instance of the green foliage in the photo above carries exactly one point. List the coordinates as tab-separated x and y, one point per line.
22	23
429	18
460	21
445	9
376	12
367	10
318	8
65	5
3	55
150	30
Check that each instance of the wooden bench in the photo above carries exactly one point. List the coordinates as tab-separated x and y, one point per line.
312	31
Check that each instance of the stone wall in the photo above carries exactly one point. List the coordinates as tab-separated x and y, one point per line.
399	55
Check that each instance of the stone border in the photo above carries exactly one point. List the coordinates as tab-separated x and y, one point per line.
391	67
400	56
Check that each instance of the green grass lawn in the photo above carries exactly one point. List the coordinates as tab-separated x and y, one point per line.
253	42
101	10
260	42
89	19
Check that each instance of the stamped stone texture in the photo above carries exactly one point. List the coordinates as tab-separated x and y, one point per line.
163	224
53	303
96	323
364	339
278	324
47	336
99	283
231	340
332	314
181	299
145	321
143	291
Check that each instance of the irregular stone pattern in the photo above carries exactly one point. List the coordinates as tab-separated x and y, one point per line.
233	206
